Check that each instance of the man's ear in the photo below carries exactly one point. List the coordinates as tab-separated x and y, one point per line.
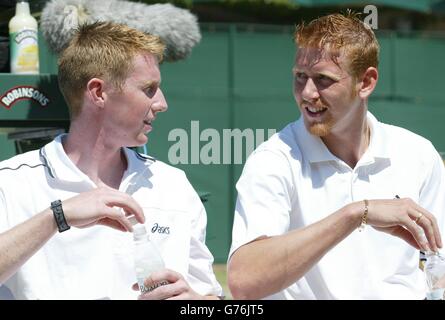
368	82
95	92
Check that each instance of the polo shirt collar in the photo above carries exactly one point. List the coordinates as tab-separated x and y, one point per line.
61	166
315	150
63	169
138	171
378	146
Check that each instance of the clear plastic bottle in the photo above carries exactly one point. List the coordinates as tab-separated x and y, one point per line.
23	40
434	269
435	275
147	258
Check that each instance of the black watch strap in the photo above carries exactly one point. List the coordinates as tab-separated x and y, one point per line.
56	207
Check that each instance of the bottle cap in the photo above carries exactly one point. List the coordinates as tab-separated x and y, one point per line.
138	229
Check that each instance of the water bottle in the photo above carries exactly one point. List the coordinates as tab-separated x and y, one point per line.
434	268
435	275
147	258
23	40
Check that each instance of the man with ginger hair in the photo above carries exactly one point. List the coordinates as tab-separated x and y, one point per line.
318	214
90	181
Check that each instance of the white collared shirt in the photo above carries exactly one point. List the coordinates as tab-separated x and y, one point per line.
97	262
292	181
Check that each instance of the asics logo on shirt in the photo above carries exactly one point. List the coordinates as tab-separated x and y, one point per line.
160	229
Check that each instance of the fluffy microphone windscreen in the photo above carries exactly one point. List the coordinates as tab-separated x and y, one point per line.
178	28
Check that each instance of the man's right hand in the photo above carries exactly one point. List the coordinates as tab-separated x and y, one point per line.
105	206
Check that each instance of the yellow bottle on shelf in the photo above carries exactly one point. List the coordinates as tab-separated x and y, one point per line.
23	40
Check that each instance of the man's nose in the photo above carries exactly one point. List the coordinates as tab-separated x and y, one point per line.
310	90
159	104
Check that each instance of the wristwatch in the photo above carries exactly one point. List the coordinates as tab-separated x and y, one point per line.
59	216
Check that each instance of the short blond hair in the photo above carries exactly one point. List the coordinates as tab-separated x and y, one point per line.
337	32
104	50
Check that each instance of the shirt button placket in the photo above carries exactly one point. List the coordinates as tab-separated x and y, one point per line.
354	176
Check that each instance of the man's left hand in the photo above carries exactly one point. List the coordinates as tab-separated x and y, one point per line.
176	289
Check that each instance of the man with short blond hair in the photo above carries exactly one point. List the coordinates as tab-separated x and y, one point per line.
317	214
87	183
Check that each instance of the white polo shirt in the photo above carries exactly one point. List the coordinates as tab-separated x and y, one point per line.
292	181
97	262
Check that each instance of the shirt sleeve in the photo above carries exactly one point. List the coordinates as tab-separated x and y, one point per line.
264	198
432	194
200	276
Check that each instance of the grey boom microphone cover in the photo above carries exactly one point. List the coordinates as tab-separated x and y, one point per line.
178	28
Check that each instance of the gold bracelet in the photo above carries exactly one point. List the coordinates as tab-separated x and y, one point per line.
364	217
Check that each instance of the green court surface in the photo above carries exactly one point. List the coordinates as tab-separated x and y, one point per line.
221	275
